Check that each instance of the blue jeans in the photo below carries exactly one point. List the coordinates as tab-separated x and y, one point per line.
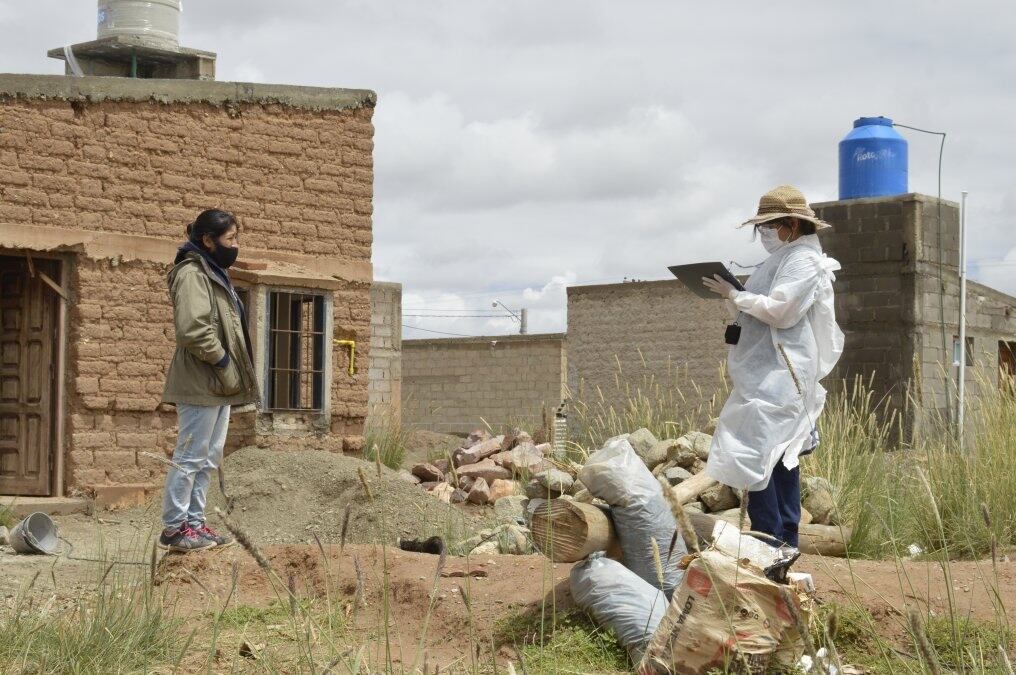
776	510
198	452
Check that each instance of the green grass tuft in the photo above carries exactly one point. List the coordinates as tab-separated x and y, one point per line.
118	628
384	435
569	643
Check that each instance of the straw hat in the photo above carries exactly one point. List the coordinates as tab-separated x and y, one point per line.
784	201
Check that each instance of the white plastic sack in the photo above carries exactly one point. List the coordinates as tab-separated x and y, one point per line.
641	514
618	599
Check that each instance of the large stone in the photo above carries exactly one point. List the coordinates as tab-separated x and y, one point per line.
657	454
442	465
818	498
644	443
443	491
676	474
555	480
694	507
408	477
480	492
485	469
476	436
682	453
502	488
428	473
583	496
660	468
464	482
490	547
545	448
719	498
691	448
478	452
700	442
511	509
514	539
458	496
523	460
536	491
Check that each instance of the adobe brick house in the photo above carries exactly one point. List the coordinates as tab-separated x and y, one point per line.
98	178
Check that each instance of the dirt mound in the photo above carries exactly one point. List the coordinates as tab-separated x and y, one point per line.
286	497
426	446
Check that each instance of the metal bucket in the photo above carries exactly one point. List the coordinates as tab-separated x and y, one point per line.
35	534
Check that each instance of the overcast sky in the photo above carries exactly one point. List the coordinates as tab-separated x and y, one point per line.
525	146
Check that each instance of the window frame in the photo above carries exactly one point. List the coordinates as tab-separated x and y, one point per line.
270	371
259	325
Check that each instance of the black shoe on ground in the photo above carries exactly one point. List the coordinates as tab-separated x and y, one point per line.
210	534
183	539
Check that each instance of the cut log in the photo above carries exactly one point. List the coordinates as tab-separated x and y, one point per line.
689	490
567	531
827	540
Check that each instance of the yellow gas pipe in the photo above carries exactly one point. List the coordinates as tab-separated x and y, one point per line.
352	353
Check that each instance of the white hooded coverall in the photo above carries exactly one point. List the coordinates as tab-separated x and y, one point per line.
788	301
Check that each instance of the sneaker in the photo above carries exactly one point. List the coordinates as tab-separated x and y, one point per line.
208	533
183	539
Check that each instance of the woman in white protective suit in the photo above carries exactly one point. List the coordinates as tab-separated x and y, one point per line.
788	341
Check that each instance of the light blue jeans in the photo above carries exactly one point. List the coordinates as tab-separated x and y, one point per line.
198	453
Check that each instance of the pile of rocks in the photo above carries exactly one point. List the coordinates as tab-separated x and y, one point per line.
682	459
484	469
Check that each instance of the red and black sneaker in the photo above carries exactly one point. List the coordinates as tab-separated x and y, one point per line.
183	539
208	533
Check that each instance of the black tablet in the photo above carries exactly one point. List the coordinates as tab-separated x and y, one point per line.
691	276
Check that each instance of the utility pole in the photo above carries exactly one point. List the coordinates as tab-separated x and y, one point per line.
523	321
961	388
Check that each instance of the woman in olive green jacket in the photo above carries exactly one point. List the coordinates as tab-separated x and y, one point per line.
211	371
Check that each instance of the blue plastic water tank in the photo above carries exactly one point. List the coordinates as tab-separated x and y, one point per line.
873	160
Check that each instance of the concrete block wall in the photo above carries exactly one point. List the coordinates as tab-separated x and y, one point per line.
873	239
109	171
897	300
621	336
453	385
385	378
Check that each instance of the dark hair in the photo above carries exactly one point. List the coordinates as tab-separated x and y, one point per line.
213	222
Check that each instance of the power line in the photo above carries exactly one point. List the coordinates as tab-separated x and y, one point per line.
448	309
439	332
459	316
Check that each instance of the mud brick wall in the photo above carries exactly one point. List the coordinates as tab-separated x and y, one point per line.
642	334
142	158
120	341
453	385
385	378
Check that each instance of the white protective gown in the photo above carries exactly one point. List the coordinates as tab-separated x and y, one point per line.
788	301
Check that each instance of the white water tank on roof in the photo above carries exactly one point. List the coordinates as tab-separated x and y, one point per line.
157	22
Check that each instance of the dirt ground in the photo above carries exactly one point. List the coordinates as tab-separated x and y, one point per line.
509	585
282	499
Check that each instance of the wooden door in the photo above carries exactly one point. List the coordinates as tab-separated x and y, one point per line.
28	317
1007	363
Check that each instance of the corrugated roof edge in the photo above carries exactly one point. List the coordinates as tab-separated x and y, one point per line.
99	89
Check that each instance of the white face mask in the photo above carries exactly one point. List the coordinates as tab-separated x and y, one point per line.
771	240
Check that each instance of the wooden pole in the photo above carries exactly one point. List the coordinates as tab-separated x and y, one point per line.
567	531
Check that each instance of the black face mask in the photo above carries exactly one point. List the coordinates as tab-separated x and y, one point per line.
225	256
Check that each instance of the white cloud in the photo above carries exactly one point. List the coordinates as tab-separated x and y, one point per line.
521	143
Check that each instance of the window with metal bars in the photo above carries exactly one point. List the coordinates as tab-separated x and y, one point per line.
296	351
244	293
